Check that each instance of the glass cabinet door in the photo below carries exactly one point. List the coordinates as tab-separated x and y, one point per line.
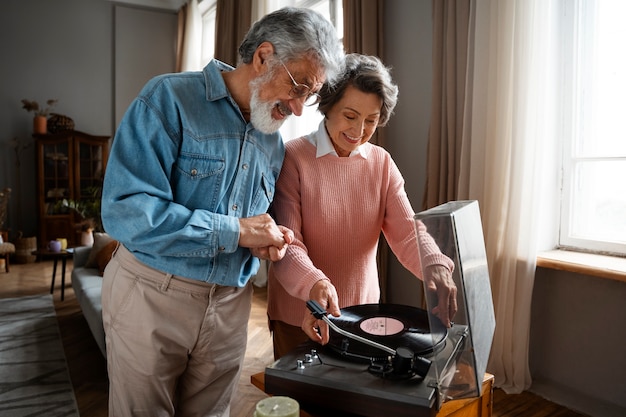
90	170
56	176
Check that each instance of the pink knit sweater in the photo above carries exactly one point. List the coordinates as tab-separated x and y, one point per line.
337	208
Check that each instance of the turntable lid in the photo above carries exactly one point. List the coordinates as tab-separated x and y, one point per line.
457	229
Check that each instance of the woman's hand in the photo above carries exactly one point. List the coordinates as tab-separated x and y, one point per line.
324	292
441	292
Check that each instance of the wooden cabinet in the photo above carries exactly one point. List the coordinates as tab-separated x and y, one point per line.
70	165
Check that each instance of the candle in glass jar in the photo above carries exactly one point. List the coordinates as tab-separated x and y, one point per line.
277	407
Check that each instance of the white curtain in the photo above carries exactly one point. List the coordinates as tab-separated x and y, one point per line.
192	47
507	136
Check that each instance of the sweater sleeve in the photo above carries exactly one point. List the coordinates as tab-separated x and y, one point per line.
295	272
401	230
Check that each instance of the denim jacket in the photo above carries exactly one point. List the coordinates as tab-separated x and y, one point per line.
184	167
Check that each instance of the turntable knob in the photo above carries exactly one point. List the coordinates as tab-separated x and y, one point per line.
300	364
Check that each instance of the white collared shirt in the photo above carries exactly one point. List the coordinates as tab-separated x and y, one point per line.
324	145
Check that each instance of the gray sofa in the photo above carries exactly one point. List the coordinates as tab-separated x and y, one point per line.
87	285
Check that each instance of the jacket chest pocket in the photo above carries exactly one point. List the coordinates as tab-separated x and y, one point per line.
199	180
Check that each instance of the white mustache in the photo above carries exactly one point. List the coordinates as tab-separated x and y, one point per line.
285	110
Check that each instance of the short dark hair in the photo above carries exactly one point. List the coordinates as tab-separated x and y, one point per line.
368	74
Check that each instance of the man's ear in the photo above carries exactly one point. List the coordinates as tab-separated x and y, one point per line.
263	52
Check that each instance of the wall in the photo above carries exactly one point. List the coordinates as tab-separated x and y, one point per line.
66	50
408	22
577	341
145	45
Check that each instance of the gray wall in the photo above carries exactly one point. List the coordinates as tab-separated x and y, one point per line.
145	45
73	51
408	22
577	341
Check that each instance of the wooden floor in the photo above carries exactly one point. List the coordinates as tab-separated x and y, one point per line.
87	366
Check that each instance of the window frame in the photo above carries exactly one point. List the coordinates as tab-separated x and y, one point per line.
574	68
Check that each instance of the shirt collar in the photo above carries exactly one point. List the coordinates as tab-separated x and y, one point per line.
215	85
324	145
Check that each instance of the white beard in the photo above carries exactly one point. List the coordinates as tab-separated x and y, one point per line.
261	111
261	114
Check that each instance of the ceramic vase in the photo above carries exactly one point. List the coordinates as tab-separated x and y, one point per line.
86	238
40	124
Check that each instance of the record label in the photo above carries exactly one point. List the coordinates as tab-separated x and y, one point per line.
382	326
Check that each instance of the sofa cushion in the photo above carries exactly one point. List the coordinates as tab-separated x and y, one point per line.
104	255
100	240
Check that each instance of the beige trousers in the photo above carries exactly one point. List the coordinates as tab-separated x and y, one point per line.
175	346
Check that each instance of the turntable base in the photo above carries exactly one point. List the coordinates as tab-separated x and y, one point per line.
468	407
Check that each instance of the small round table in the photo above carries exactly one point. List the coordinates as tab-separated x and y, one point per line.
62	255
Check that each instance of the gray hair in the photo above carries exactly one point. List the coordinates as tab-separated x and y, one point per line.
295	33
369	75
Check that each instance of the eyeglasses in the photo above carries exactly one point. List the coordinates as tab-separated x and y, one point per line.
302	90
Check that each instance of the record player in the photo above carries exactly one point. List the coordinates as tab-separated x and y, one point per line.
392	359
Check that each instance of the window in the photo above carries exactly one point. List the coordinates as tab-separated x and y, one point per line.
207	9
593	205
332	9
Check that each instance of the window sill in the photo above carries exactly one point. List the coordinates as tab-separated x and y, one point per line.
602	266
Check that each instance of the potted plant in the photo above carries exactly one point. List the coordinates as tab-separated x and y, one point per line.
40	121
88	208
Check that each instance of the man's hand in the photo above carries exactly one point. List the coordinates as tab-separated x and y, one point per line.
441	291
264	237
325	294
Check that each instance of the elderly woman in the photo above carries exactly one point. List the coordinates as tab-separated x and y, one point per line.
337	192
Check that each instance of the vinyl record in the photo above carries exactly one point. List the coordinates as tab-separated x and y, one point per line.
392	325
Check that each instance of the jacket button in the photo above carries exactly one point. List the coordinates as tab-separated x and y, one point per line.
194	172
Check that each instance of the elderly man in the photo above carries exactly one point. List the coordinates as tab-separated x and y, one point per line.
189	181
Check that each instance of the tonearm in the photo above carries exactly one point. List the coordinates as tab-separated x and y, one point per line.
401	362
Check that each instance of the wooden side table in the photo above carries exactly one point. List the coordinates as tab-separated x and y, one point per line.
468	407
471	407
55	256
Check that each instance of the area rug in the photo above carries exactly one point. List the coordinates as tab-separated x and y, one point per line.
34	378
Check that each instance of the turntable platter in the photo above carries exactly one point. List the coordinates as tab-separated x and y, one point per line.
392	325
